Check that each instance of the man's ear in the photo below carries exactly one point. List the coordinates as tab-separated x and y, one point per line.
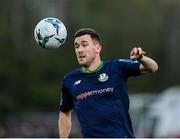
98	47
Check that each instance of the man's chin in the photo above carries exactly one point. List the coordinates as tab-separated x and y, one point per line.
82	64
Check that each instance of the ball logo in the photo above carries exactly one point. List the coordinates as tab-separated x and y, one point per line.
103	77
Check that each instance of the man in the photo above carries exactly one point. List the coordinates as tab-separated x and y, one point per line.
98	90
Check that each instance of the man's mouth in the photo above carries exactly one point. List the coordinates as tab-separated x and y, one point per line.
81	57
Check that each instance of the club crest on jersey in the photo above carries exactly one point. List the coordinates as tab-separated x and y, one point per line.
103	77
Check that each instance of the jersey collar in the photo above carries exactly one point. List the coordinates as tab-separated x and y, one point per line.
95	70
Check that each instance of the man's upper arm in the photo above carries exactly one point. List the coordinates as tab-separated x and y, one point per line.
66	114
66	100
130	67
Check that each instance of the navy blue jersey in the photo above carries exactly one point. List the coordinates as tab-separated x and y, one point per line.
100	98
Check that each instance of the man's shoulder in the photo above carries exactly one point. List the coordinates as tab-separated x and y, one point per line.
115	61
120	61
72	73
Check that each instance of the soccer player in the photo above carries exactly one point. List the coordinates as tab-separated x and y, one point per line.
98	91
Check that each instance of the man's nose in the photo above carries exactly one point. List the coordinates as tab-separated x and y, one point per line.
80	49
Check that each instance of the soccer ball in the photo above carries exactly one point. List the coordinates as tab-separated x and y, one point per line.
50	33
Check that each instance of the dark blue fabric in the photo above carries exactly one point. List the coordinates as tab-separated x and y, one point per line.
100	99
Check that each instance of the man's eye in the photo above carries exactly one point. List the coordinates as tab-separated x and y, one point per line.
84	45
76	46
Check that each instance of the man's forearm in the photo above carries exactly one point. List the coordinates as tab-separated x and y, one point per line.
64	124
147	65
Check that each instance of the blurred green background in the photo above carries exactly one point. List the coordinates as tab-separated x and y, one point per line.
31	77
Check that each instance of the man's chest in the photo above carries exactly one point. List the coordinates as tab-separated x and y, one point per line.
99	84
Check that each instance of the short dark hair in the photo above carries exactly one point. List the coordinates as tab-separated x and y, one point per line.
93	33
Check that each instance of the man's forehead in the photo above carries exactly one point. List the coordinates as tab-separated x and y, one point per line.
83	38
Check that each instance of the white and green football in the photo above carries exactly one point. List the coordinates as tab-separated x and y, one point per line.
50	33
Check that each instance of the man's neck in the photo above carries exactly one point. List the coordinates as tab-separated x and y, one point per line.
92	67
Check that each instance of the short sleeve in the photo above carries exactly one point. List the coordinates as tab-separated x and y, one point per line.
66	100
129	67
